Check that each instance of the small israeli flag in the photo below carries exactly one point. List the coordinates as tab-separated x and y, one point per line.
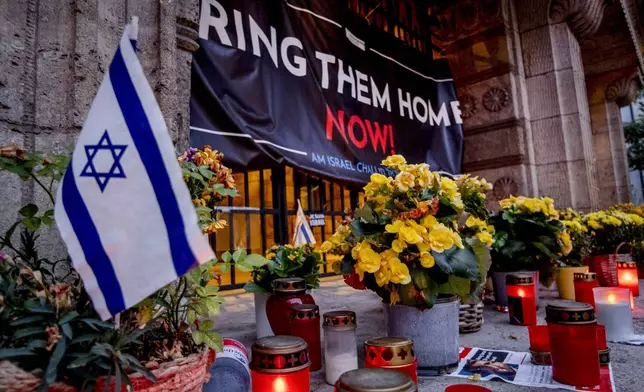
303	234
122	207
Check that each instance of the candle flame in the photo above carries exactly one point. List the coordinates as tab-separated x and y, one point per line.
612	298
628	277
521	293
279	385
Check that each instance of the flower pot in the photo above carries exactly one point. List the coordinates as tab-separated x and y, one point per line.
566	282
470	317
434	333
262	325
500	294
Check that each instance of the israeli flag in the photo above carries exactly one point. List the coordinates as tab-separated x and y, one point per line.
303	234
122	207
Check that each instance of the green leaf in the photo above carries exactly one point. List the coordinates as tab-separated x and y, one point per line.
200	291
420	278
224	267
544	249
32	223
239	254
191	316
441	262
118	383
8	353
52	367
252	287
226	257
96	324
67	330
243	268
211	339
29	210
102	350
80	361
206	325
37	344
88	337
255	260
69	317
27	320
206	172
25	332
463	263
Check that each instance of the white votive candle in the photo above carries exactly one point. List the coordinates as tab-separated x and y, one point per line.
613	310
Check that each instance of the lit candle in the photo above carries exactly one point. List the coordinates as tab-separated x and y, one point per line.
280	364
627	277
391	353
614	312
374	380
585	282
340	344
521	299
539	344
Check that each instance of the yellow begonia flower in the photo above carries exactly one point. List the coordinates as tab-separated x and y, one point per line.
441	238
399	272
394	298
379	179
368	259
427	260
398	246
567	244
485	238
475	223
458	241
505	204
394	161
410	235
394	227
404	181
383	276
429	221
424	246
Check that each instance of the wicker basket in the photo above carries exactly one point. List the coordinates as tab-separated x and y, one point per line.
181	375
470	317
606	265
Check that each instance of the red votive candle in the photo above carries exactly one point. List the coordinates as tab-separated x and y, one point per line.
280	364
305	324
602	346
521	299
539	338
585	282
573	341
392	353
627	277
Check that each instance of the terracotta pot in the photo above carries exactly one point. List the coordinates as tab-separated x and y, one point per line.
565	281
434	333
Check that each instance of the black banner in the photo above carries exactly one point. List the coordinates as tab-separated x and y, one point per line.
311	84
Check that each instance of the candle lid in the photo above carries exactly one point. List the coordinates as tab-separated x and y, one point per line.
570	312
289	285
627	264
585	276
375	380
305	311
389	351
280	354
519	280
340	320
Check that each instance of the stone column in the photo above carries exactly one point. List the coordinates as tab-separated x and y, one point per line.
558	107
481	42
606	94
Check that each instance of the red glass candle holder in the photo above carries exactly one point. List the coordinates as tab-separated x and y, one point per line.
585	282
627	277
280	364
305	324
466	388
392	353
521	299
539	338
287	292
573	342
602	346
374	380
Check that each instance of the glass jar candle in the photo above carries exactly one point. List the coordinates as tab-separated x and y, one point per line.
280	364
573	343
340	344
374	380
627	277
602	346
522	305
286	293
305	324
613	306
585	282
391	353
539	344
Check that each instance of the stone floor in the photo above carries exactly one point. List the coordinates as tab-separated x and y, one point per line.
238	318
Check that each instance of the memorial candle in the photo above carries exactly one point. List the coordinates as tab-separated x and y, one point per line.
627	277
585	282
602	346
521	299
391	353
613	306
280	364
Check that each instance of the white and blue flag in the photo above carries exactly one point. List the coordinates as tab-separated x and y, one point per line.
303	234
122	207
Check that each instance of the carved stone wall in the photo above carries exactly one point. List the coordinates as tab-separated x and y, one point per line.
54	54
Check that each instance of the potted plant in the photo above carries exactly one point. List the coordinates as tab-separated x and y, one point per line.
404	244
529	237
575	261
614	233
51	336
475	216
284	261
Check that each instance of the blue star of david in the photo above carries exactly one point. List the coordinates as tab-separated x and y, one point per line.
115	171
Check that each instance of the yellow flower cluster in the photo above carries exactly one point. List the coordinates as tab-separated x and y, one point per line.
529	205
613	218
484	232
468	185
338	241
564	237
426	236
386	266
575	226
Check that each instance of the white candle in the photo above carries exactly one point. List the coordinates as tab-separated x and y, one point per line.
614	312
